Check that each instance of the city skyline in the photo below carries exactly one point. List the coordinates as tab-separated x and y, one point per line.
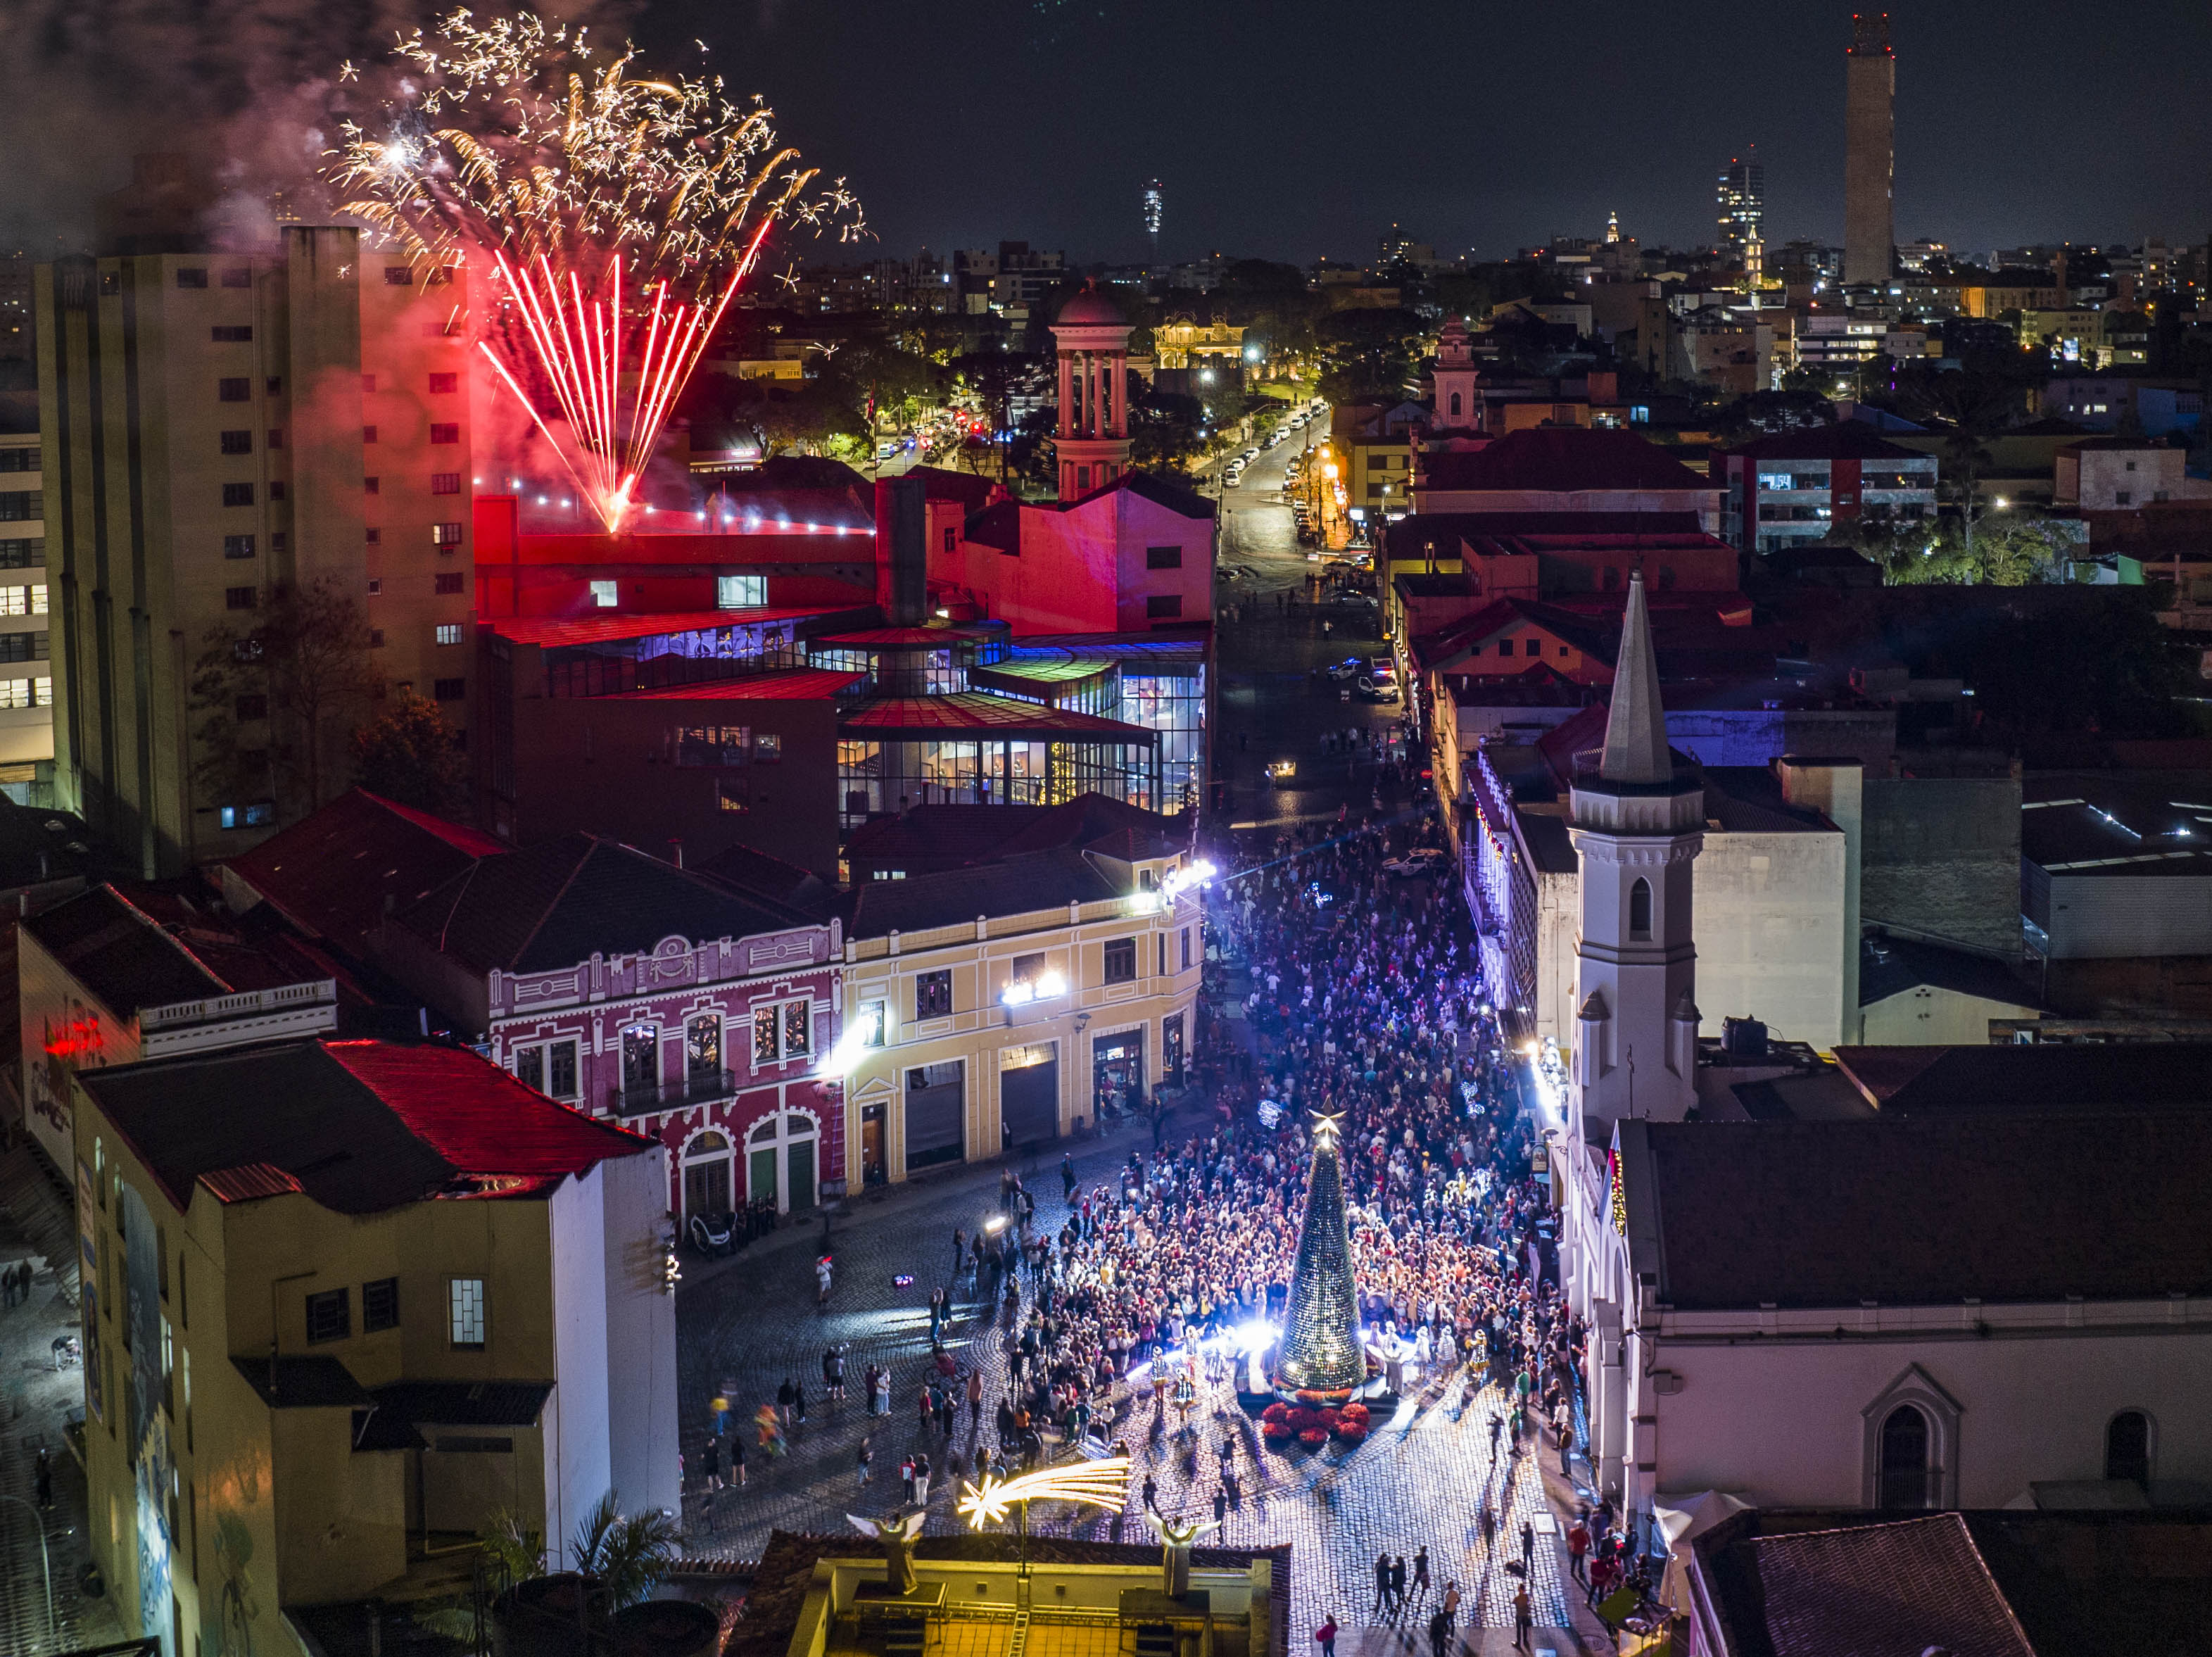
1979	162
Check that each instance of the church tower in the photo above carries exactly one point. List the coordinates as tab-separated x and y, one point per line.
1091	442
1637	824
1455	380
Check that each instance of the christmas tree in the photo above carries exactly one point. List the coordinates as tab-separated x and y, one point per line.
1321	1350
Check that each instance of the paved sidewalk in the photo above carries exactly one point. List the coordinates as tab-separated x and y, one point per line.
36	1400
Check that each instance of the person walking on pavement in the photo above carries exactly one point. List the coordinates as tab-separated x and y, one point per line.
710	1467
783	1396
1528	1540
922	1477
1398	1585
1421	1572
1325	1636
1521	1621
1579	1541
1440	1632
1067	1177
975	1402
1382	1583
906	1478
737	1443
868	1453
1451	1600
1152	1493
1489	1529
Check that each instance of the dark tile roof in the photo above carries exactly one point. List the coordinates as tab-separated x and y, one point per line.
784	886
38	845
1847	440
1005	885
976	834
1895	966
302	1383
466	1403
555	904
117	951
2055	1076
334	872
1563	460
1925	1210
1904	1587
361	1126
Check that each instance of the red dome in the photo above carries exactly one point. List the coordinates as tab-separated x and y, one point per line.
1090	308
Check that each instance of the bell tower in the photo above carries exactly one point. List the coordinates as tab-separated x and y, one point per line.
1455	380
1091	442
1638	825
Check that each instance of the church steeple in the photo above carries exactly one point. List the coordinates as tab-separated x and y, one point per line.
1638	825
1636	725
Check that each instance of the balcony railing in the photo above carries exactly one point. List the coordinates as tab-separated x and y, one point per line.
700	1087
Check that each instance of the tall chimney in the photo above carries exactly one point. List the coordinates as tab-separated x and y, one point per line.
902	551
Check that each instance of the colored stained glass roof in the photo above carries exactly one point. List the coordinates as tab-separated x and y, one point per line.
973	712
601	629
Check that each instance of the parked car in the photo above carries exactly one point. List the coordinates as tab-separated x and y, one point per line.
1371	691
1232	479
1346	669
1421	860
713	1235
1353	600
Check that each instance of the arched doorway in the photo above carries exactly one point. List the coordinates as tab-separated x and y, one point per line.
706	1173
2127	1448
780	1158
1905	1459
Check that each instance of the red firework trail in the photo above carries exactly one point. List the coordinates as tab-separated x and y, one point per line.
578	342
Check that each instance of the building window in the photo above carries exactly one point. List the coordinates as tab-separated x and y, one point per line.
952	539
1161	605
443	385
237	276
397	275
275	488
380	1304
2127	1448
372	485
448	583
236	817
1121	961
798	1028
465	1314
22	506
449	632
191	275
449	690
444	482
237	443
330	1316
23	646
22	601
932	994
1904	1481
605	595
445	431
238	546
376	642
872	1023
232	335
446	534
240	390
22	554
373	536
1639	911
27	693
368	434
1163	557
238	598
549	1067
739	591
767	747
19	460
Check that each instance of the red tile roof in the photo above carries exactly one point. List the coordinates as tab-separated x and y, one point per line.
1563	460
1000	716
599	629
798	685
333	873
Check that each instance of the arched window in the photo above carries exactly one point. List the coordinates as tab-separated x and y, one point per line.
1905	1482
1454	405
1639	911
2127	1448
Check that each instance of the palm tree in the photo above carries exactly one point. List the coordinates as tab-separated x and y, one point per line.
1975	407
628	1556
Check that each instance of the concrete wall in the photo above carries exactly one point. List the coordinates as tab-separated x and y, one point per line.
1929	1016
340	1516
1757	736
1769	913
1940	860
1781	1423
578	1470
640	1335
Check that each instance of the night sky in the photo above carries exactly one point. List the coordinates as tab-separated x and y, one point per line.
1297	128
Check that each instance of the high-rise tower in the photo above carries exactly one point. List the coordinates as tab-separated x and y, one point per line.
1870	134
1638	825
1740	196
1152	206
1091	442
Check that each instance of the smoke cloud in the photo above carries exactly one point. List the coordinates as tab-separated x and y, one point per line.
248	91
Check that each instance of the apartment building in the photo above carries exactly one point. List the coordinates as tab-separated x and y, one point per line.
340	1296
1794	487
219	428
27	681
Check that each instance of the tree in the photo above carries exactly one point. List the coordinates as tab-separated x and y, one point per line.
1765	411
629	1556
407	753
2008	550
274	700
1164	429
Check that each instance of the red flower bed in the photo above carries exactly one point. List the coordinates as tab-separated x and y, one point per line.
1313	1438
1275	1417
1303	1421
1350	1432
1354	1414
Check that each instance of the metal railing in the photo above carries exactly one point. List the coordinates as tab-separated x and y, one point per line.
700	1087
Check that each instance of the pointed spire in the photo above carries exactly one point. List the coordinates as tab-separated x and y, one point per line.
1636	725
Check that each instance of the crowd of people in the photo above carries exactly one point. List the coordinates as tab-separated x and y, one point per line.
1340	988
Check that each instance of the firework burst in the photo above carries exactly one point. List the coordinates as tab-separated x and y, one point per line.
616	217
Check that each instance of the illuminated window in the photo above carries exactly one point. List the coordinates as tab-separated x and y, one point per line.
932	994
740	592
446	534
605	595
465	1312
449	632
